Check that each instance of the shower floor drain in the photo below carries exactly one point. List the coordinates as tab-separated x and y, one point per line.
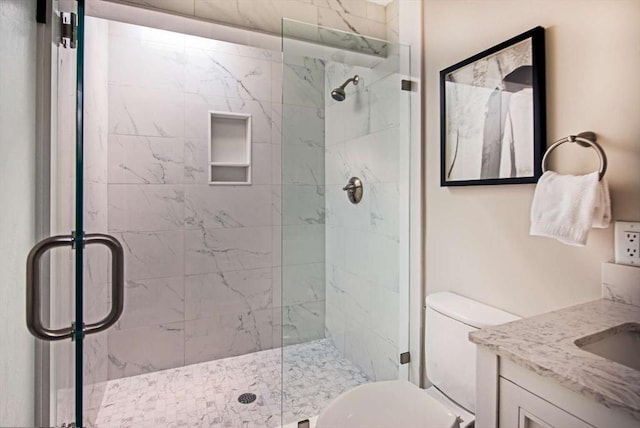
247	398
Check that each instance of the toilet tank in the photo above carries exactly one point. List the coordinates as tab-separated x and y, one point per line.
450	356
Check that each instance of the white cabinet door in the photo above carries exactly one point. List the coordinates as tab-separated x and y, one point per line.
522	409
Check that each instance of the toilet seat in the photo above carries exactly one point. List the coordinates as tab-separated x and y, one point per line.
388	404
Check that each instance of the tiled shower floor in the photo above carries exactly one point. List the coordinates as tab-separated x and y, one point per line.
206	394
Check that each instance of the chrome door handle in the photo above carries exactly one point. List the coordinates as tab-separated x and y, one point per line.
34	320
117	281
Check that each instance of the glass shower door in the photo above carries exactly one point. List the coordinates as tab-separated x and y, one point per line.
345	214
75	278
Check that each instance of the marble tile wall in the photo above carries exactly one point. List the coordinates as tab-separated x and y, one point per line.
358	16
302	200
96	218
201	260
362	241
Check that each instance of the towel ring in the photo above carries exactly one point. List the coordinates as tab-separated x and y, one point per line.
585	139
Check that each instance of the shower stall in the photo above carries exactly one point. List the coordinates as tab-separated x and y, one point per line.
257	194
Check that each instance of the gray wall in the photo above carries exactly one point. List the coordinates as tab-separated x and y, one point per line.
17	198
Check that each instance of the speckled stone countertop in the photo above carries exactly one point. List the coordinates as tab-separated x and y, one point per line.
545	345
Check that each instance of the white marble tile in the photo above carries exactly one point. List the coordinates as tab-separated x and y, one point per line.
276	123
335	322
276	79
227	293
376	12
153	254
227	334
235	49
303	165
206	394
139	63
226	75
185	7
147	34
196	161
95	206
262	163
276	164
302	284
341	212
305	82
302	204
374	157
336	170
385	320
384	103
145	160
302	322
356	295
276	276
219	250
384	216
352	7
265	15
197	107
96	149
303	126
210	207
276	206
146	111
303	244
145	349
338	19
146	207
621	283
150	302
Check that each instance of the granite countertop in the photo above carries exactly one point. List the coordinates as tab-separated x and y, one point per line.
545	345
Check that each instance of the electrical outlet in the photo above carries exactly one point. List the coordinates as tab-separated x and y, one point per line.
627	243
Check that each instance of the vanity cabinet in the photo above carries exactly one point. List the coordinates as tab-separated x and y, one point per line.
522	409
511	396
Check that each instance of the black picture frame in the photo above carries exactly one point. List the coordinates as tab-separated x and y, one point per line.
485	103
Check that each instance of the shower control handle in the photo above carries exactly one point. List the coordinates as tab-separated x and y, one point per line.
354	190
349	186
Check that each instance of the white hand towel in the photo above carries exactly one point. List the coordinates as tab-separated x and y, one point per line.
565	207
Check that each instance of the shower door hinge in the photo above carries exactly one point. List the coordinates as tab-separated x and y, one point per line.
405	358
68	30
406	85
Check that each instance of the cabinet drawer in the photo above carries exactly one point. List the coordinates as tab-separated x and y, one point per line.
522	409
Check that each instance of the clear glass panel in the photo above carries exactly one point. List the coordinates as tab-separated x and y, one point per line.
63	221
344	266
96	263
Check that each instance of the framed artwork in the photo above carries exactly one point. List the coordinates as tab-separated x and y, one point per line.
493	115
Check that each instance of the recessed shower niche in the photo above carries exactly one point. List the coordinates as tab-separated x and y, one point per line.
229	148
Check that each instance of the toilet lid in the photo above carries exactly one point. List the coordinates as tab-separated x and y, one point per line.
389	404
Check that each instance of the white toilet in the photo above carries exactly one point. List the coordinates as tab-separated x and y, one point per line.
451	363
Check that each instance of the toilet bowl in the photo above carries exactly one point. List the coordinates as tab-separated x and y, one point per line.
451	363
388	404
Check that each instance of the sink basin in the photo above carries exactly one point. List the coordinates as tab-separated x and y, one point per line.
620	344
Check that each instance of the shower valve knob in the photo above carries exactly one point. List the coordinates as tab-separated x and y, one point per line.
354	190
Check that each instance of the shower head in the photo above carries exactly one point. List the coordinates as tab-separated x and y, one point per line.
339	94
